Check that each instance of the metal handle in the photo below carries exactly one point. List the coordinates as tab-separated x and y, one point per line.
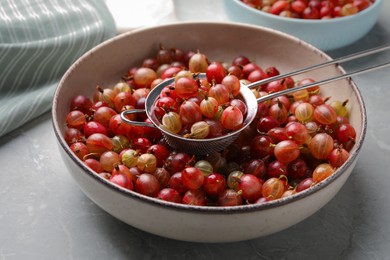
132	122
321	82
321	65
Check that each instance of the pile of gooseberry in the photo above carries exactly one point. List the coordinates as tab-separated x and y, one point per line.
310	9
294	142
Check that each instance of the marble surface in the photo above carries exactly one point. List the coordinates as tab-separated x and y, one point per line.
44	215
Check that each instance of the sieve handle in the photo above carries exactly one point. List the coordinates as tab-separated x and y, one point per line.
321	82
321	65
132	122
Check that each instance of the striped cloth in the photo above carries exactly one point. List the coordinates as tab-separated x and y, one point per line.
39	40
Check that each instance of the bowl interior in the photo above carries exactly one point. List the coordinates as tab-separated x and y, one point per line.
105	64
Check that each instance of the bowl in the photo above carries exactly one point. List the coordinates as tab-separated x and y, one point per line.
327	34
107	62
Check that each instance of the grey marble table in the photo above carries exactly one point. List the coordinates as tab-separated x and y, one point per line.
44	215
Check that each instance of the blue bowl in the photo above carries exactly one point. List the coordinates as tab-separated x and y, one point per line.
327	34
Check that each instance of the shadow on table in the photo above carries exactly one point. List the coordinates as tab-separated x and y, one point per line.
378	36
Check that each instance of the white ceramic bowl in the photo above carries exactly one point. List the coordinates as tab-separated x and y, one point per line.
326	34
108	61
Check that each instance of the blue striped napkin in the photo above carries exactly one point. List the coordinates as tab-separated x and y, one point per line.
39	40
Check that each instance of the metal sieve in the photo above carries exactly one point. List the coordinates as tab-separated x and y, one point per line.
193	146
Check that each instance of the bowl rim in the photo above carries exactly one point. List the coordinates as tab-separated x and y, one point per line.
300	21
205	209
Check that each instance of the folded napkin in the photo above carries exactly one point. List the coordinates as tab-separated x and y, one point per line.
39	40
